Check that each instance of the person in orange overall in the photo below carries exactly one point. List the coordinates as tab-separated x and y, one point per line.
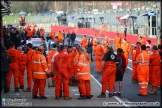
95	39
40	71
143	71
33	29
42	31
83	42
99	53
56	39
22	65
155	67
49	58
62	75
105	42
126	48
29	32
108	66
30	54
14	67
71	66
135	52
117	41
60	37
26	26
143	42
83	75
52	34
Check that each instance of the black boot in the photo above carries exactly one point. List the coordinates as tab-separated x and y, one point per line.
21	87
35	97
16	89
110	95
82	98
102	95
42	97
60	93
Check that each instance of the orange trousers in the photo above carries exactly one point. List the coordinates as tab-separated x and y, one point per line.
108	76
21	76
13	69
154	72
85	88
134	71
39	84
159	76
126	55
117	45
98	63
62	77
29	76
143	78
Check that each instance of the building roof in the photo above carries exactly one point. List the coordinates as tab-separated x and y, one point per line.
5	7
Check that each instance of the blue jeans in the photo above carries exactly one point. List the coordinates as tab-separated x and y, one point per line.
68	40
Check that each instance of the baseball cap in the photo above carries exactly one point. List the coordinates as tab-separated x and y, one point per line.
41	47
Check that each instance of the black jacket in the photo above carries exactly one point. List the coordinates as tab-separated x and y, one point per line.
5	60
73	36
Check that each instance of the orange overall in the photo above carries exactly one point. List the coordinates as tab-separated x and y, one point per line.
60	37
71	65
14	67
126	48
42	31
39	71
62	75
84	42
83	75
30	54
52	34
135	52
49	58
108	76
143	71
22	65
155	69
99	53
117	42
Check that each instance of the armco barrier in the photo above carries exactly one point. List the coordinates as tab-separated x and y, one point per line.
88	31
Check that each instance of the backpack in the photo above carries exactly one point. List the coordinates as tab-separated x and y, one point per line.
119	65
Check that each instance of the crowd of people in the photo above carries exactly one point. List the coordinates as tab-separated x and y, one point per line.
69	63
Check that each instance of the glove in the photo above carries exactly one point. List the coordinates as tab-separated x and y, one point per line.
48	75
51	74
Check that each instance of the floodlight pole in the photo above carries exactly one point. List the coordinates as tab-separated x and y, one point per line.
93	16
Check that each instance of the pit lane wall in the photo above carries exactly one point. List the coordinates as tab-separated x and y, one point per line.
132	38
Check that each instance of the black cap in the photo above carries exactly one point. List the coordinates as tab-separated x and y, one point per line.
61	47
120	50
